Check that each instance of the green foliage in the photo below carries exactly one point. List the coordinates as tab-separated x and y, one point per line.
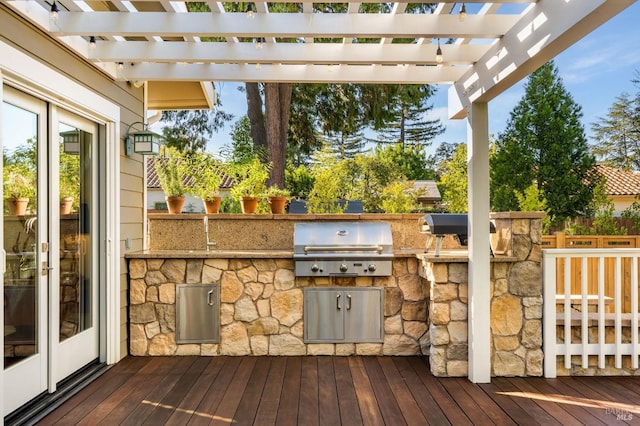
531	200
242	148
436	163
206	174
70	177
19	182
603	222
453	183
171	169
330	183
274	191
189	130
250	178
399	197
544	142
299	181
618	134
230	205
410	161
633	212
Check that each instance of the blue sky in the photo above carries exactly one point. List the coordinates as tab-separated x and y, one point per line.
595	71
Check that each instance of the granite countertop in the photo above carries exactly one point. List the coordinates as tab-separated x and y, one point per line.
235	254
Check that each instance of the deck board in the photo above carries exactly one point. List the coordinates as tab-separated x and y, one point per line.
323	390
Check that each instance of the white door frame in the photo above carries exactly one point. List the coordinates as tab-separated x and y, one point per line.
26	73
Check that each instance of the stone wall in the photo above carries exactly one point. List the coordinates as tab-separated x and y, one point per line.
262	308
516	304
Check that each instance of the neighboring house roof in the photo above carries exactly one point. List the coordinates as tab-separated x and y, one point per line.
154	182
428	190
619	182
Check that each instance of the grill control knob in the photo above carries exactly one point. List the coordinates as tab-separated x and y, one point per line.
371	267
343	267
315	268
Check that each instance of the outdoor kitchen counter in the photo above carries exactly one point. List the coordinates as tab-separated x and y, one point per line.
237	254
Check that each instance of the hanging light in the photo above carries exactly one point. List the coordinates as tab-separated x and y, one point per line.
463	13
259	43
439	57
92	42
120	66
54	10
144	142
258	66
250	11
330	67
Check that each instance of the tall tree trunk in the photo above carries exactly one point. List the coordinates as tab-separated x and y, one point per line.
256	117
278	110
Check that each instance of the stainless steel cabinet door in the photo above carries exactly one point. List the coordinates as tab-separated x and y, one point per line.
323	315
197	313
363	315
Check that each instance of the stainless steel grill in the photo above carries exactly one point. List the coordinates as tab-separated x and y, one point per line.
342	249
439	225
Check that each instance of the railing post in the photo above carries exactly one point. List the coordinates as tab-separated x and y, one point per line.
549	314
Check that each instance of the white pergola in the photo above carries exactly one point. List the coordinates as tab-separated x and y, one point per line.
160	45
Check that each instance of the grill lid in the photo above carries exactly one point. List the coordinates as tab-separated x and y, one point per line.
326	238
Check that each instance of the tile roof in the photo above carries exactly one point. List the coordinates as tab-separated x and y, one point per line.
619	182
428	188
154	182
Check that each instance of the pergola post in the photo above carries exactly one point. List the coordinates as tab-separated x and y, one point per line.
479	253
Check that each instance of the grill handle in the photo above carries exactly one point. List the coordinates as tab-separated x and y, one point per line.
376	248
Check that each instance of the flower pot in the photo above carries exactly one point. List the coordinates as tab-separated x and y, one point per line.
212	206
277	204
249	204
65	205
175	203
17	206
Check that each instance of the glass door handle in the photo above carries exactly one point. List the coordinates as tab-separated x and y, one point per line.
46	268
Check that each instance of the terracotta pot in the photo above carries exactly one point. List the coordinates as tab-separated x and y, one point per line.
277	204
212	206
249	204
17	206
65	205
175	203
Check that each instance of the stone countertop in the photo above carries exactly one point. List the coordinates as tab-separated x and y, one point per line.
234	254
457	256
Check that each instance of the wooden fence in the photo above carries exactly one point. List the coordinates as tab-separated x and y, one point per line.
560	241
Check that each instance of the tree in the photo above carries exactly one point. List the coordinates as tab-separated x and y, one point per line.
189	130
405	120
618	134
410	161
453	183
242	147
544	143
437	162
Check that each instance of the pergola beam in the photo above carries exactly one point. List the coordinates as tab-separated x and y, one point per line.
286	25
545	30
286	53
291	73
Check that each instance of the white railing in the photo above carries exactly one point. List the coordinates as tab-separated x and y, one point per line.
584	289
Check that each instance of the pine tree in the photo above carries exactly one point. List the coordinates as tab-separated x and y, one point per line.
618	134
544	142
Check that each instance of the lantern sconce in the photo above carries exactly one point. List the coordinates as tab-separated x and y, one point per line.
71	142
143	142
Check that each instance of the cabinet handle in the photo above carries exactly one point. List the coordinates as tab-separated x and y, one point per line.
338	306
348	302
210	298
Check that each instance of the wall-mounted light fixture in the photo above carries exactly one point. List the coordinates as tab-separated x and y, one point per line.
144	142
71	142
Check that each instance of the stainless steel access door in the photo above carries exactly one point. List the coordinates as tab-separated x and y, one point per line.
343	315
197	313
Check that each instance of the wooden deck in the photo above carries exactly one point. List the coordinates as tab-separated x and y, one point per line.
336	391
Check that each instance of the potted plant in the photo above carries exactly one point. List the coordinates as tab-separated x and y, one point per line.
277	198
19	187
69	181
171	168
207	176
250	183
